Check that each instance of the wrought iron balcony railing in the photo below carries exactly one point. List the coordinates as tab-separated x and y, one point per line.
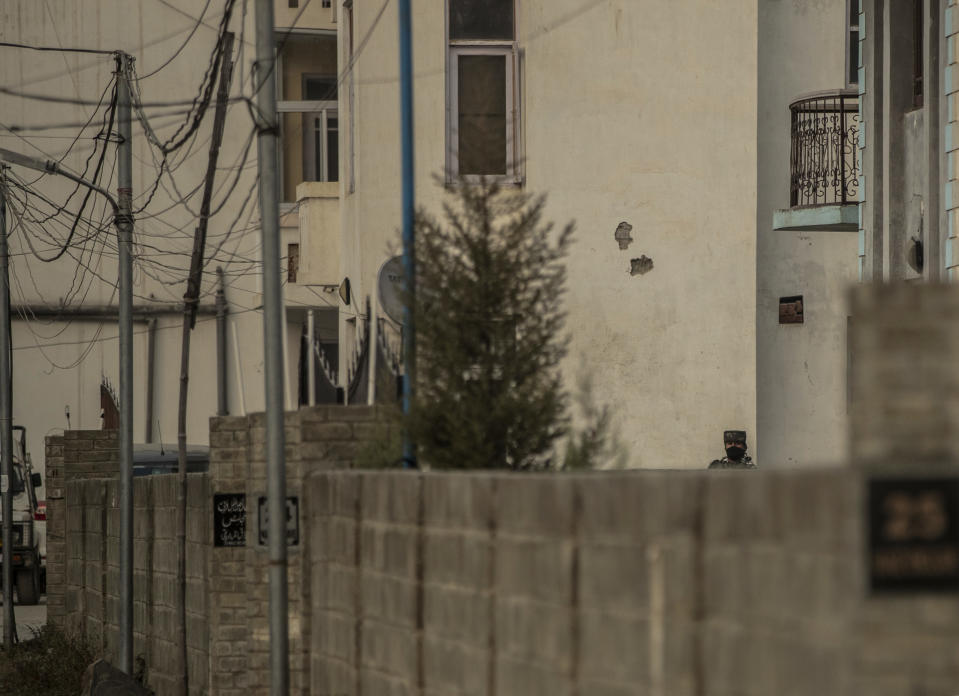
824	163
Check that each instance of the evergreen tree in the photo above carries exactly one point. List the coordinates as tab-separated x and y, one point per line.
490	331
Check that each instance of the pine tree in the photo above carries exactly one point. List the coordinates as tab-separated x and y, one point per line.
490	331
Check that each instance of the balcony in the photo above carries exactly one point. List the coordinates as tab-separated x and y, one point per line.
824	164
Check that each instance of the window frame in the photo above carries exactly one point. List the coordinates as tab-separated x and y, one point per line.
851	30
297	106
510	50
309	163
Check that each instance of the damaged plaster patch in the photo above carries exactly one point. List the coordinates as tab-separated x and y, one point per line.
640	266
622	235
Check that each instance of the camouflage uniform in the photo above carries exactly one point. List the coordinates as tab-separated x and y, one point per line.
726	463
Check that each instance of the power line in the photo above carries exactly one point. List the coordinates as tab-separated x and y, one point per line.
182	46
56	49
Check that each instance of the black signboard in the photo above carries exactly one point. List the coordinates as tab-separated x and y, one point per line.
914	535
292	521
229	519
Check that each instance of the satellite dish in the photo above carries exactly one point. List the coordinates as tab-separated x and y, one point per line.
389	285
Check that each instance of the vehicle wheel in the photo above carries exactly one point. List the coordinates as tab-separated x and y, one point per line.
28	586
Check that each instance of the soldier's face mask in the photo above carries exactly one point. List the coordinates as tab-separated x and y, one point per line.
735	452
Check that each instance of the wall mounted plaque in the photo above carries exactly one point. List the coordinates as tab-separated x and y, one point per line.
229	519
913	534
292	521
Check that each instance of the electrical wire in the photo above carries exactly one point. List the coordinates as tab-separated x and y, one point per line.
179	50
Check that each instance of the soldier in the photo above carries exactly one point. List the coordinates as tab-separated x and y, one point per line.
736	457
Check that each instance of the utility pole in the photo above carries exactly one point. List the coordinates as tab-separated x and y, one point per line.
273	328
125	234
311	359
221	401
190	300
409	241
6	422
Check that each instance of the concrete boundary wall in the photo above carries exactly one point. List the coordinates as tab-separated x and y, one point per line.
623	583
668	583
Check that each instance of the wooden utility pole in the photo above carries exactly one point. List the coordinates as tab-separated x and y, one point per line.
190	300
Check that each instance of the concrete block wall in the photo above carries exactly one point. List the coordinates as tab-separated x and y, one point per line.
77	454
83	546
714	583
92	591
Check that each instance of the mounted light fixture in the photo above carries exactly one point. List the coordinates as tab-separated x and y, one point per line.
345	291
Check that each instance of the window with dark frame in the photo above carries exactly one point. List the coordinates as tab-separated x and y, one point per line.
917	52
852	42
294	3
791	310
482	81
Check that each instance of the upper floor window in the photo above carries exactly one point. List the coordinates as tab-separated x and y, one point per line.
917	53
483	100
852	42
307	88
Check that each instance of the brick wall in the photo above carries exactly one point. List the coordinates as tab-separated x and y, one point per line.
317	439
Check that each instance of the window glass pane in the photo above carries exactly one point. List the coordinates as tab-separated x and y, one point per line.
332	149
853	12
317	88
482	114
481	19
853	57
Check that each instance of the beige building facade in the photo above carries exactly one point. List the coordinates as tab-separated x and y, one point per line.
667	123
622	112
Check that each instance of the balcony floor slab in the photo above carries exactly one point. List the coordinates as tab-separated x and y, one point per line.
830	218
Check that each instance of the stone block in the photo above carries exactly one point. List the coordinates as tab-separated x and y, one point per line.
452	668
389	599
613	577
376	682
392	497
391	550
533	568
614	648
520	677
457	558
535	505
388	648
452	613
534	631
459	501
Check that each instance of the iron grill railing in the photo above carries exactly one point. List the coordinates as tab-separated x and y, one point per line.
824	164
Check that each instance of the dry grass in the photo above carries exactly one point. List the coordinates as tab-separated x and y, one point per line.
51	663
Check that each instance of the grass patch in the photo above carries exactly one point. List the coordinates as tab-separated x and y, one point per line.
51	663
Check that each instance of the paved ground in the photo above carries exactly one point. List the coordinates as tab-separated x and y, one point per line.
27	617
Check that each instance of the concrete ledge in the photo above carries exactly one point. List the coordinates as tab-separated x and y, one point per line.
829	218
